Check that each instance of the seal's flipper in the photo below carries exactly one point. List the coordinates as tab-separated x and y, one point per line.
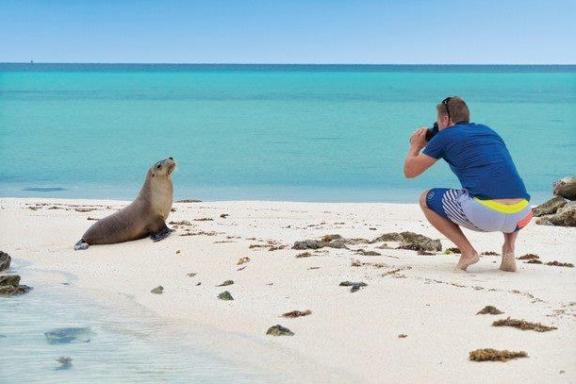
81	245
162	234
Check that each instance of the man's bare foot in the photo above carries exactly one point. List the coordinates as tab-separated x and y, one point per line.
467	260
508	263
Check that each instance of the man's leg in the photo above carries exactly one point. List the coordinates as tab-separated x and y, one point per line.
508	263
453	232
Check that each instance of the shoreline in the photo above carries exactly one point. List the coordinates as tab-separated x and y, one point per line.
356	335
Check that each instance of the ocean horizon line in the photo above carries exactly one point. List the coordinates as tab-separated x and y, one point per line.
32	62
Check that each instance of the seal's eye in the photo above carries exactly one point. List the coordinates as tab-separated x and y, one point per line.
159	166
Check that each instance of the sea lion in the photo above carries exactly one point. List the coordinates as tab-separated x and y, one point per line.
143	217
566	187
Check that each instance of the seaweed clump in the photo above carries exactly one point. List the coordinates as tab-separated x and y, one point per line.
489	354
529	256
559	264
490	310
295	314
523	325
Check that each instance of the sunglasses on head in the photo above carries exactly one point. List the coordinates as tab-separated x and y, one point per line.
445	104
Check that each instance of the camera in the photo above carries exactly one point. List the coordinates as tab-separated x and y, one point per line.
431	132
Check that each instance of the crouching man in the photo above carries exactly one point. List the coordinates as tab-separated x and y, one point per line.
493	197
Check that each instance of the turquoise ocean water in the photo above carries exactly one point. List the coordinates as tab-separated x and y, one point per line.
274	132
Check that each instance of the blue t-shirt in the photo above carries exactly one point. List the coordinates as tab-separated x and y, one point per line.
480	160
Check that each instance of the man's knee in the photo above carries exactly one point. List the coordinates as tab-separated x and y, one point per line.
423	198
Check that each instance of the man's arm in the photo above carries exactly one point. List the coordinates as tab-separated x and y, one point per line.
416	163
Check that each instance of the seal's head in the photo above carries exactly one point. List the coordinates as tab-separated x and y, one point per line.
162	168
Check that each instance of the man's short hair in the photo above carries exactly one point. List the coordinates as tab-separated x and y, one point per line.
459	112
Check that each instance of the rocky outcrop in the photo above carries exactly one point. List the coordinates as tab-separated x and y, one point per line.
566	188
225	296
4	261
278	330
10	286
355	285
564	215
550	207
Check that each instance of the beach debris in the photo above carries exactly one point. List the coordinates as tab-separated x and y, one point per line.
226	283
224	215
278	330
533	261
225	296
489	354
363	252
243	260
5	260
308	244
358	263
412	241
84	209
355	286
408	240
10	286
201	233
189	201
158	290
489	253
331	241
489	310
178	251
523	325
566	187
65	363
303	254
559	264
198	283
181	222
69	335
529	256
191	274
172	209
311	268
295	314
395	271
92	218
450	251
402	336
204	219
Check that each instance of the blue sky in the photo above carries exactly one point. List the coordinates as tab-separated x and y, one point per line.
289	31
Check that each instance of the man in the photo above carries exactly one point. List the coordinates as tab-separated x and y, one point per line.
493	198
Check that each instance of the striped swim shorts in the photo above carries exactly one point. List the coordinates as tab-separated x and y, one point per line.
478	215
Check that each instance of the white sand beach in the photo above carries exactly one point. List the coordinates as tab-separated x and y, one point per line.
348	337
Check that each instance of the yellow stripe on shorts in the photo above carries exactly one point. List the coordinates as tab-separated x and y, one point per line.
503	208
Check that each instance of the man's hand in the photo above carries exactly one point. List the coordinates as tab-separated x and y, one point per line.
418	140
415	162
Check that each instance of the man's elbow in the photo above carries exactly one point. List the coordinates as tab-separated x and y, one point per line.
410	173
